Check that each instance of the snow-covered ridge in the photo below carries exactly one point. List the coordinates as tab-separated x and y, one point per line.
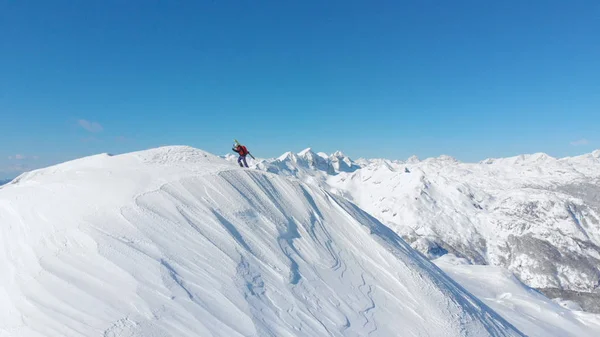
536	215
543	158
178	242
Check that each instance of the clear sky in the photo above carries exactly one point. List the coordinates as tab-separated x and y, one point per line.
471	79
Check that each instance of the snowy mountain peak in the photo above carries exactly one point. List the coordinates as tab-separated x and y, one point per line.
309	155
413	160
596	154
539	157
178	242
230	157
312	160
522	159
447	158
305	152
323	155
341	163
176	155
288	156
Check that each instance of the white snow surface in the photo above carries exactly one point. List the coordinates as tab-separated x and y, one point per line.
536	215
531	312
178	242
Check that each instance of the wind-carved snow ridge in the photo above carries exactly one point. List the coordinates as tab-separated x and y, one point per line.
536	215
178	242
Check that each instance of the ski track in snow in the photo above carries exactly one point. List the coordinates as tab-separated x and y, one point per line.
176	242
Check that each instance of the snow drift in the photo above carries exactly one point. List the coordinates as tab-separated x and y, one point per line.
177	242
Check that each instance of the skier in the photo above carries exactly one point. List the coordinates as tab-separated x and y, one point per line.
243	152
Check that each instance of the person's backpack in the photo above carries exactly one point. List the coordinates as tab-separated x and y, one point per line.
244	150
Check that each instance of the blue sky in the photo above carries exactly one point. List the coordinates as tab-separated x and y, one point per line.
472	79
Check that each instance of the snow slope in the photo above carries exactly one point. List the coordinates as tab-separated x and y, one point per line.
177	242
530	311
536	215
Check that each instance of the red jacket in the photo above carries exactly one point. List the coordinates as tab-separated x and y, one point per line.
242	150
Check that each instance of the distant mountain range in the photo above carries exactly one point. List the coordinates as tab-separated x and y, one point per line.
536	215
